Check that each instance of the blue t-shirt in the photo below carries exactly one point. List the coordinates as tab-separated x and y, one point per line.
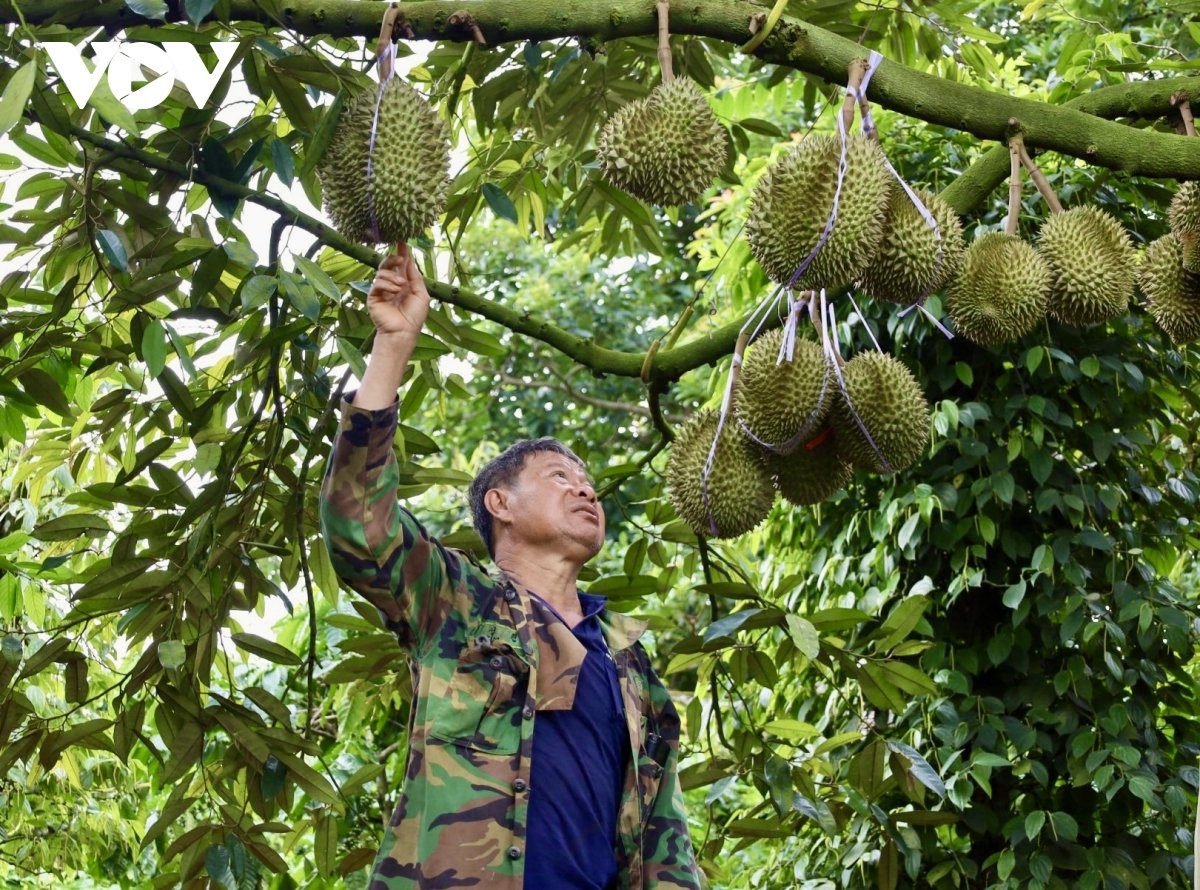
578	773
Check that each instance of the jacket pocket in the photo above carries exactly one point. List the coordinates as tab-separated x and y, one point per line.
482	706
649	779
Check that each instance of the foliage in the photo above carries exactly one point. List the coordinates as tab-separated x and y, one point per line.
980	673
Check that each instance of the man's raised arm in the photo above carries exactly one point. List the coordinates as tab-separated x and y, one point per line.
377	547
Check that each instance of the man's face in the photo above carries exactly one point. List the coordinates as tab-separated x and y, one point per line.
554	506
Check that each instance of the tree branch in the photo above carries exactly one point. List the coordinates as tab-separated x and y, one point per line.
1067	129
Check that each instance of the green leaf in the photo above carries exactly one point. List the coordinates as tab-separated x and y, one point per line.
198	9
804	635
1033	824
919	767
72	526
318	278
274	772
267	649
1064	826
216	863
889	867
325	843
901	621
154	347
44	390
12	649
16	95
500	203
113	248
256	290
171	654
151	9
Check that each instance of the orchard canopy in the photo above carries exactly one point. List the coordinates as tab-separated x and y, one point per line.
980	672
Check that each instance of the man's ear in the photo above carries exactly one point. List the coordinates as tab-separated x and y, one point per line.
496	502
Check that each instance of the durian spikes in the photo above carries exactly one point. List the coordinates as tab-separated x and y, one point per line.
779	403
1172	292
811	473
409	166
666	148
1091	259
1001	293
907	266
738	493
791	205
1184	216
881	421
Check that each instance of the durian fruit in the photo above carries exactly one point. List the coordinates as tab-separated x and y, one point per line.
811	473
1091	260
1172	292
739	488
1001	292
888	400
792	201
1185	222
666	148
906	266
410	166
776	401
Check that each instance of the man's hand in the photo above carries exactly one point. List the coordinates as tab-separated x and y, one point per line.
399	304
398	301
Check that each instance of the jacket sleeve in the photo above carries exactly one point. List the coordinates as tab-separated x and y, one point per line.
377	547
669	860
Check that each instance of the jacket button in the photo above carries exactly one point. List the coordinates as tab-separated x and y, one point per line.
527	712
514	852
520	785
511	596
497	662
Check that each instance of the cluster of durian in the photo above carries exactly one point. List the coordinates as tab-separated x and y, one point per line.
1170	276
878	238
666	148
408	162
1081	272
796	431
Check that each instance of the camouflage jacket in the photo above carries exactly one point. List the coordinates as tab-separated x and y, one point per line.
485	658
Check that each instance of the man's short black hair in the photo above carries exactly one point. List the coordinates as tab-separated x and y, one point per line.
502	471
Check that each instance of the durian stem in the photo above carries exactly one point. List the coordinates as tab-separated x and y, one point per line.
1015	144
1185	113
664	41
854	79
1039	179
387	30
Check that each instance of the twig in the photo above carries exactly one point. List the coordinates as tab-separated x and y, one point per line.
466	20
653	400
857	71
1181	102
664	41
566	389
1015	144
1039	179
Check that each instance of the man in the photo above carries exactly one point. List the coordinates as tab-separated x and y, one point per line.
542	748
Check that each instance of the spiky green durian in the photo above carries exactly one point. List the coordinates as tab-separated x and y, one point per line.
410	166
882	394
791	204
1172	292
778	401
1001	292
738	494
907	266
1185	222
812	472
1091	261
666	148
